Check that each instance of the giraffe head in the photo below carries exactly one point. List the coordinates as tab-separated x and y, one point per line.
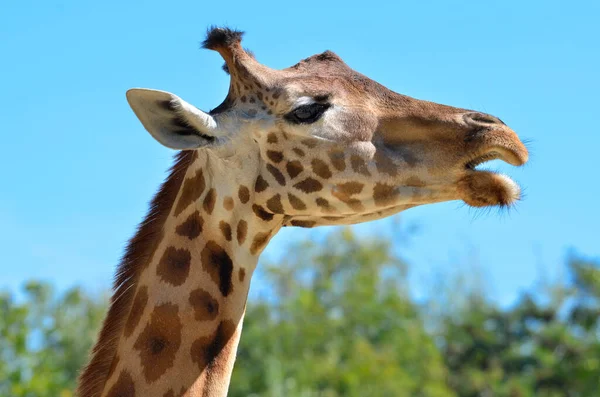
322	144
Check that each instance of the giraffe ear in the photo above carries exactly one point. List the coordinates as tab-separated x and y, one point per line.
172	121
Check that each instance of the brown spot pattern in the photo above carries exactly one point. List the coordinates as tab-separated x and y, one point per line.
191	227
243	194
260	185
124	386
321	168
242	274
337	159
275	156
300	223
192	190
324	204
299	152
294	168
261	213
384	194
414	181
310	143
359	165
309	185
139	250
350	188
228	203
174	265
217	263
344	191
296	202
242	230
271	138
225	229
355	205
384	164
259	242
276	174
159	341
137	309
205	350
274	204
209	201
205	307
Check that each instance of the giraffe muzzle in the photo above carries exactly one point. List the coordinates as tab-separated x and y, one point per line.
492	140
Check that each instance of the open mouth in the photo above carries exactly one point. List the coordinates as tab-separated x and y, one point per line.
509	156
472	164
485	188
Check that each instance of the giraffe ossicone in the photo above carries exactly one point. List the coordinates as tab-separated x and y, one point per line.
314	144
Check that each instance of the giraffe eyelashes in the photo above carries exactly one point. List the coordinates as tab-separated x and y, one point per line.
307	114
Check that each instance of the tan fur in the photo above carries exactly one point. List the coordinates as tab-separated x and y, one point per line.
313	144
138	253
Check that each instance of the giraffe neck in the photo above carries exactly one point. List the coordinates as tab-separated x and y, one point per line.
183	325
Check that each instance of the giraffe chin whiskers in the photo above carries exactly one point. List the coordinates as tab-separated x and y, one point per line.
486	188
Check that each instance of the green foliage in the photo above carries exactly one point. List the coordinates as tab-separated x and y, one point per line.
45	339
546	345
339	321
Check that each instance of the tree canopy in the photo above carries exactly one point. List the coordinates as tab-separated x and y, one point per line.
340	320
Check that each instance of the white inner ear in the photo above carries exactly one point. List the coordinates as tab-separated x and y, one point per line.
195	117
172	121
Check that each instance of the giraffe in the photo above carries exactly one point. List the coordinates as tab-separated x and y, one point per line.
313	144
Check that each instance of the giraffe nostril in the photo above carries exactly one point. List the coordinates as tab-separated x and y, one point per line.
482	119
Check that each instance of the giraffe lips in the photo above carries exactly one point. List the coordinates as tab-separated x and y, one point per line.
509	155
485	188
471	164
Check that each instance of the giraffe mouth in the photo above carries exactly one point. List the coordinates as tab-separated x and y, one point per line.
509	156
479	188
484	158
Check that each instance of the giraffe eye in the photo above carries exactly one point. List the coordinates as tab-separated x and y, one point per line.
307	114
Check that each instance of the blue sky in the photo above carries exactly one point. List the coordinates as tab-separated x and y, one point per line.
77	168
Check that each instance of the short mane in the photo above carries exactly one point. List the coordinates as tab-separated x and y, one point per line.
221	37
139	251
